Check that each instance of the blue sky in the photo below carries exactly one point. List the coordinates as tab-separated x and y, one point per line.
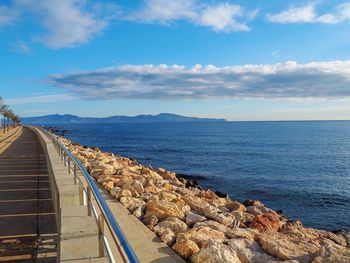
240	60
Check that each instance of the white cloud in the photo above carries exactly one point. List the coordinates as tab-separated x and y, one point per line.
8	15
21	47
40	99
290	80
68	22
308	14
223	17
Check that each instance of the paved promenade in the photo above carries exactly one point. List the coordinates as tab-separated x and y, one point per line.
27	220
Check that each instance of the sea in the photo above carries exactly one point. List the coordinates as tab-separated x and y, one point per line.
299	167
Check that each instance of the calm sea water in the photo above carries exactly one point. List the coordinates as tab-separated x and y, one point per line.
302	168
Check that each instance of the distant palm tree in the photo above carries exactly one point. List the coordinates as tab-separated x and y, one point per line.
9	114
16	119
3	111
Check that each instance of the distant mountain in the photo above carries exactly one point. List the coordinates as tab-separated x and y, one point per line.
68	118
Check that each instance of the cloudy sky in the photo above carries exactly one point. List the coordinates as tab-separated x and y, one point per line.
234	59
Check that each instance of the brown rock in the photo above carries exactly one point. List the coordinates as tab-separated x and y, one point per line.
192	218
214	225
201	234
286	247
247	233
163	209
332	253
236	206
267	221
215	251
248	251
185	248
168	237
215	214
195	202
173	223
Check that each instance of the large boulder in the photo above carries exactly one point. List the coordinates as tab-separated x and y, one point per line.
201	234
185	247
286	247
215	251
267	221
163	209
172	223
213	224
331	253
258	210
192	218
215	214
297	230
168	237
247	233
248	251
195	202
236	206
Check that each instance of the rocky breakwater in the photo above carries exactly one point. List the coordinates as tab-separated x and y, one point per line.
203	227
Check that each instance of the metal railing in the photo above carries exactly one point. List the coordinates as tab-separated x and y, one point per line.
102	214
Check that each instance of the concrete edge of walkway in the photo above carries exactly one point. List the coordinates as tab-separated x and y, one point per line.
147	246
44	141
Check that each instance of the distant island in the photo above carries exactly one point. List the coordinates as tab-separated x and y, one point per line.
159	118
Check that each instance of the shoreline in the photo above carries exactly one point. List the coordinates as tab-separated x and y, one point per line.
196	222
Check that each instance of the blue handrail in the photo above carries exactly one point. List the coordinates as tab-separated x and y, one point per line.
129	252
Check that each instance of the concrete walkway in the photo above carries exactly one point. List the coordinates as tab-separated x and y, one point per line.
28	231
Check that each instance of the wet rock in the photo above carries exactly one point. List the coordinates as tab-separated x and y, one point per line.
247	233
185	247
192	218
201	234
212	224
163	209
250	202
215	251
267	221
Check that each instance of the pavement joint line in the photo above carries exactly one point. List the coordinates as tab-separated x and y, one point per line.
25	200
23	181
25	175
28	235
33	214
29	189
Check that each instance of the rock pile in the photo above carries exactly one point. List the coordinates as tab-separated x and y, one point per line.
203	226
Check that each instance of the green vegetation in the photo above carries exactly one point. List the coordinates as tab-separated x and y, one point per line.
8	116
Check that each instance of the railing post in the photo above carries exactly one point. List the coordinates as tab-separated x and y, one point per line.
75	174
81	194
101	249
68	159
64	158
88	192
